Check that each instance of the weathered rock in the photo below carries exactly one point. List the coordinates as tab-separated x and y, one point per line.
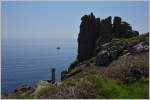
122	29
116	26
139	48
113	55
105	30
106	46
87	37
24	88
102	59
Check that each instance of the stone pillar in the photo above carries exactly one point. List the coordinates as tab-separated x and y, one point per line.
53	75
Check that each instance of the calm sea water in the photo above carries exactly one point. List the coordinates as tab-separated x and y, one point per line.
25	61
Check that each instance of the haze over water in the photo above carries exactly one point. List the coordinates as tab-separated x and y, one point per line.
25	61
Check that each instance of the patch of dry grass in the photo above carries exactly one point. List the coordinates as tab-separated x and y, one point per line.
119	69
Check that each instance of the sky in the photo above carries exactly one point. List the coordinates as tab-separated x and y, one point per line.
37	19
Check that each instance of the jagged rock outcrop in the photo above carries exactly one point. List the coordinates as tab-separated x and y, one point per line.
122	29
95	32
116	26
87	37
105	30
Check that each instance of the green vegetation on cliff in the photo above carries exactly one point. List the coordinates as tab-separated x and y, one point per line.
127	77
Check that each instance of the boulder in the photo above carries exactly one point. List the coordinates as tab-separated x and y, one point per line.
140	48
113	54
103	59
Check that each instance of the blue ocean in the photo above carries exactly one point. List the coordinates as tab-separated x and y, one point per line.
26	61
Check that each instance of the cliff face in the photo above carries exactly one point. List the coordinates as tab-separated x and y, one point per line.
87	37
95	32
104	41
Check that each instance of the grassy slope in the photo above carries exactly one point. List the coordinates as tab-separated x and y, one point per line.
98	82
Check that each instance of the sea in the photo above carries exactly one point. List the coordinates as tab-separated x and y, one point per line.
26	61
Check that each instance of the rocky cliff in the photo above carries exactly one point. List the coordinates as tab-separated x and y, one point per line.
112	63
94	32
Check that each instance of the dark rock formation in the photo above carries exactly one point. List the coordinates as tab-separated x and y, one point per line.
113	54
122	29
140	47
87	37
105	31
95	32
116	26
63	73
24	88
105	56
102	59
97	35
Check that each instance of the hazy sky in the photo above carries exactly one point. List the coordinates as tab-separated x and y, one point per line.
62	19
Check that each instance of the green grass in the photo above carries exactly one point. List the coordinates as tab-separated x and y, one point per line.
25	95
130	42
112	89
139	89
103	87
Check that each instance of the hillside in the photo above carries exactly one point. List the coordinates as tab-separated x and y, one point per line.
112	62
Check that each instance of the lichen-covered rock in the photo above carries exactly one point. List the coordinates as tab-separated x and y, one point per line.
140	47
